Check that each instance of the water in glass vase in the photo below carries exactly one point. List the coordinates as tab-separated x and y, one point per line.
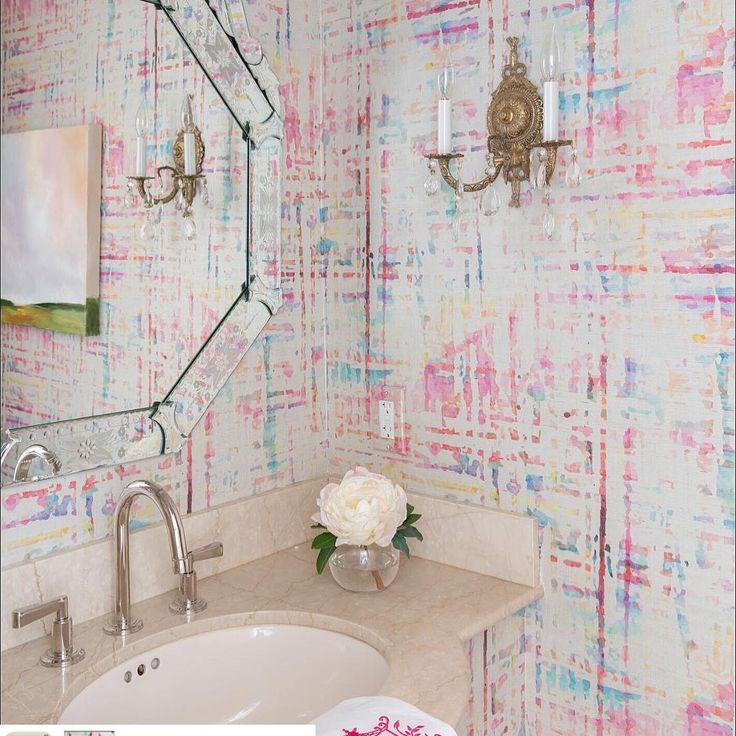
364	569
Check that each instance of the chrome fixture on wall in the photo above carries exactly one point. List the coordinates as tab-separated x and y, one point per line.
187	179
520	122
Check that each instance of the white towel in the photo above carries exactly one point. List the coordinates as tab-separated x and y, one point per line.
379	716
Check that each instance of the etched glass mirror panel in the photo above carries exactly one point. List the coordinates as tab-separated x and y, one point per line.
217	35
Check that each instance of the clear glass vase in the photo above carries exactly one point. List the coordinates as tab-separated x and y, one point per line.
364	569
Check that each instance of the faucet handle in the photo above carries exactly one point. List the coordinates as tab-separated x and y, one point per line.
207	552
63	652
186	600
28	614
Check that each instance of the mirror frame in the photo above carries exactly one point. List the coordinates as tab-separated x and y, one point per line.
231	59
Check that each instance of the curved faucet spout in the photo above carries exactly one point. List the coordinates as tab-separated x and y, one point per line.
31	453
170	514
122	622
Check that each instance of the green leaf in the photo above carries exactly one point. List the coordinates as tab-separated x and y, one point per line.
400	543
409	509
412	531
318	526
323	540
324	555
411	519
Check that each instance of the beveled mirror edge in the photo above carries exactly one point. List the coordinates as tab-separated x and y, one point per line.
86	443
83	444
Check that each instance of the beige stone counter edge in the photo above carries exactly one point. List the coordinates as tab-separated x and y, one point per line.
420	624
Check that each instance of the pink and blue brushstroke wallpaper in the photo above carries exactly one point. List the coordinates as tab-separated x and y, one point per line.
587	380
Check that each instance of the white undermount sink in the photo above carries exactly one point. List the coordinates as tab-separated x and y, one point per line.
247	674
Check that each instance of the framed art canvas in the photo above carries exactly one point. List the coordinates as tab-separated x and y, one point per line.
50	228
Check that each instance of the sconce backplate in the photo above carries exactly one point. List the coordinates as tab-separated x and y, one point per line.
515	113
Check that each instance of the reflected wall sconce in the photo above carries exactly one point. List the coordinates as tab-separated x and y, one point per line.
186	178
520	123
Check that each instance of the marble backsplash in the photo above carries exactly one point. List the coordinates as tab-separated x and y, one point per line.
486	541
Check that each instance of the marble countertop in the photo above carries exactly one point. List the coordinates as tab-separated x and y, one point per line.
420	624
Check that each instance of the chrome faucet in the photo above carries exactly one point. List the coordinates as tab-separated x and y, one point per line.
183	561
31	453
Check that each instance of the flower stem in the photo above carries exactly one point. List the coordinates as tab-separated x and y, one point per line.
378	580
376	575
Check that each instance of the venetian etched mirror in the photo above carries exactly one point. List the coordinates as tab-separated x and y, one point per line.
216	33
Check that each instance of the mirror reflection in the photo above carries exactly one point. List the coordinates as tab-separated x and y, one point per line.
160	293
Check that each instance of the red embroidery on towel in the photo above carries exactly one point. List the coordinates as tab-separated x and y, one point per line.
383	727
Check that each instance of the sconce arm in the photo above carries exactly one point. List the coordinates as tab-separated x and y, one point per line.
476	186
179	181
166	198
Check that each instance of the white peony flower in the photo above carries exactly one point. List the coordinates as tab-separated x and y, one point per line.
364	508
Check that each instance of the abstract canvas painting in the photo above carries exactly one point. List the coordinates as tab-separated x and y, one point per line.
50	210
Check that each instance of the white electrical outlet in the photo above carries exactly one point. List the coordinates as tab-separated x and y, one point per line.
386	419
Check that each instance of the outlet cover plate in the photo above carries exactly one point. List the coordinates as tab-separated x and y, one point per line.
386	419
396	395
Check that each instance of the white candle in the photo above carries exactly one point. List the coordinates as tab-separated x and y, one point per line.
445	83
551	99
141	144
190	155
140	155
551	89
444	126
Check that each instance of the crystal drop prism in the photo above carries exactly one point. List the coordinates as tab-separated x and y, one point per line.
459	191
148	231
490	203
204	192
129	199
179	200
548	224
533	171
190	228
542	172
156	214
432	184
573	175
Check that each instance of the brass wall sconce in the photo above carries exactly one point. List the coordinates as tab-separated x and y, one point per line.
520	122
187	180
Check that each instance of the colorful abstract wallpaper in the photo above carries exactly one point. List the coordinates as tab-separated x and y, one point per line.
585	378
